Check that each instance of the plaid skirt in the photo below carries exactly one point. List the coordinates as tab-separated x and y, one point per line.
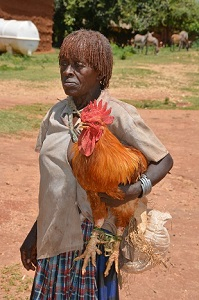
60	277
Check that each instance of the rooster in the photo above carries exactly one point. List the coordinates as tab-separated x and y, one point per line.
101	163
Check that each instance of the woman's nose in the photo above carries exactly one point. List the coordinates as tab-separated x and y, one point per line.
68	69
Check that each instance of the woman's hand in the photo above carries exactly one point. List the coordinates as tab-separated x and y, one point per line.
29	249
131	192
155	172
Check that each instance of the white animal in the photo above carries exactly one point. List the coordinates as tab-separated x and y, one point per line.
152	41
140	41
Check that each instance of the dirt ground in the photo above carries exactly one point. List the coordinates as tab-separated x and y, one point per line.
178	194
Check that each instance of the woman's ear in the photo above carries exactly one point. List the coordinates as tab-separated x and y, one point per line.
102	86
100	77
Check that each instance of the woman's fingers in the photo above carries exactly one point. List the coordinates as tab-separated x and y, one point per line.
29	262
25	260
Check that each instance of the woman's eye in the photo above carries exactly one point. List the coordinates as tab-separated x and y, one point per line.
79	64
63	64
76	65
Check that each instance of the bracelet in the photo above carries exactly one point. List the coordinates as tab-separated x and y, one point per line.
146	185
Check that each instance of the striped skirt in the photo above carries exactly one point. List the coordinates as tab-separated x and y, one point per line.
60	277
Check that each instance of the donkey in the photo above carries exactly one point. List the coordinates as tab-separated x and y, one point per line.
181	40
140	41
152	41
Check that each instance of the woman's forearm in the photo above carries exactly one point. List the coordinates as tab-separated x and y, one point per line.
157	171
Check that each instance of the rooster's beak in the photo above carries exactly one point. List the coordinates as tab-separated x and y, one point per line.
83	125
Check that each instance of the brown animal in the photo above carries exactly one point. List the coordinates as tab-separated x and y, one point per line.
101	163
181	40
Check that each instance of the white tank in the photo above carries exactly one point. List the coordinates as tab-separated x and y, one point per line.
18	36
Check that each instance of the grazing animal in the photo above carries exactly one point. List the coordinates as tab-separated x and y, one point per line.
152	41
101	163
181	40
140	41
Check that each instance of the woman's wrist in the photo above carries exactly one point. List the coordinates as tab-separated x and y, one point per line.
145	184
132	191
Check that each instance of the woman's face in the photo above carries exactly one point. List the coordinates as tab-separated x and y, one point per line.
78	79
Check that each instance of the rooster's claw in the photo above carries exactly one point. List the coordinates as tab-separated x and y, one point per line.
90	252
113	258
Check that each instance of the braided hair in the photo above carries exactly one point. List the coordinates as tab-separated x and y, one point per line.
91	47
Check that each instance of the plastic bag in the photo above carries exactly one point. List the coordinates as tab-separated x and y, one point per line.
145	242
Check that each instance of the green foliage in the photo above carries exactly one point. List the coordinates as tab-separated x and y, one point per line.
161	15
184	15
173	14
196	44
122	53
75	14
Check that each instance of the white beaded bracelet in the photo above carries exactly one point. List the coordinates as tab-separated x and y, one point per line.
146	185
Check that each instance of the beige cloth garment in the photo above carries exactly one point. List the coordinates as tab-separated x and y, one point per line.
60	196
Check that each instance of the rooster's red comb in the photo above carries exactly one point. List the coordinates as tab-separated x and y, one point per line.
97	110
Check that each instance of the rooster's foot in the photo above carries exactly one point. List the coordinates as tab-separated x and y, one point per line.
113	259
90	252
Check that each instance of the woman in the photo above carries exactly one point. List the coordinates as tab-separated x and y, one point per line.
64	223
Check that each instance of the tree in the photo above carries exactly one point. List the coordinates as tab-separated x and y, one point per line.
160	15
58	25
90	14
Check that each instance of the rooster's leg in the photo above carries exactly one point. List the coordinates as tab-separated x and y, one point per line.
115	253
91	248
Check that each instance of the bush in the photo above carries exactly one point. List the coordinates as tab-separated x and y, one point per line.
122	53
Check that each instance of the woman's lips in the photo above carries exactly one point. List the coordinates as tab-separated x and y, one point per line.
69	83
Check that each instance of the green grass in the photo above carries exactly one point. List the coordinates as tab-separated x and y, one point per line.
39	67
140	71
153	104
124	75
14	285
22	118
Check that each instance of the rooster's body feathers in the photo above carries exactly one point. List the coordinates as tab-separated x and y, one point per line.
110	164
101	163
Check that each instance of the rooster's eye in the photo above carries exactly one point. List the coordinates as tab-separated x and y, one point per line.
96	123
